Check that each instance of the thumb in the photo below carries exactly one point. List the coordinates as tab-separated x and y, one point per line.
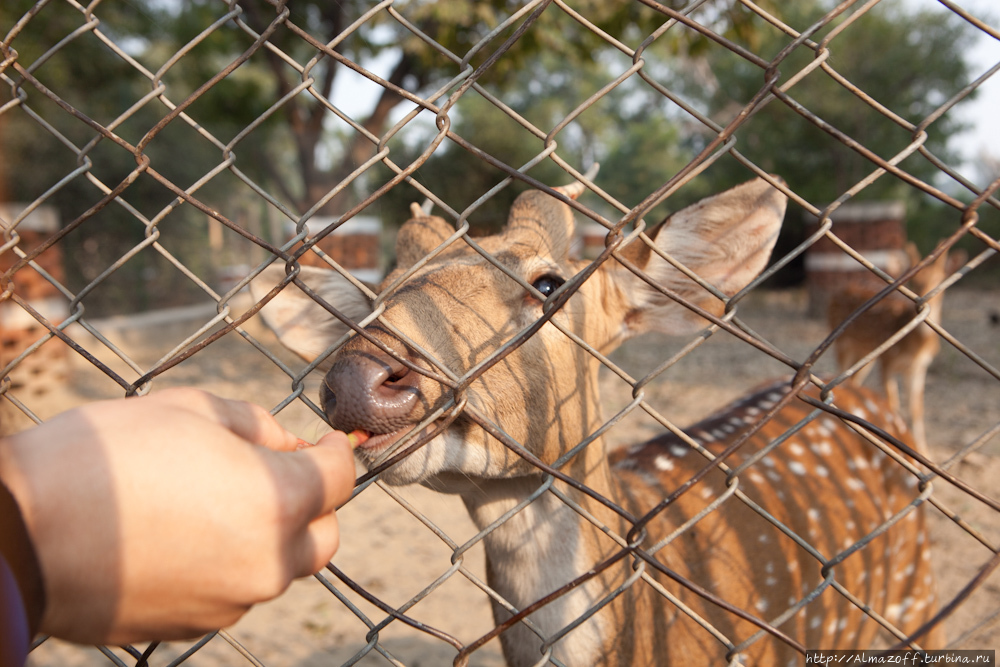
333	460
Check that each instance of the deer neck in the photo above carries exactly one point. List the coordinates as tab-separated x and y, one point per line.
541	545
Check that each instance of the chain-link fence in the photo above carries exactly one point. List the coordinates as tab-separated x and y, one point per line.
159	156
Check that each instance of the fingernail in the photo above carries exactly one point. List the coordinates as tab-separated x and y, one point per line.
302	444
356	438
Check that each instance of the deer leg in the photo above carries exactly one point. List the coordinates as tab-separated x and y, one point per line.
916	380
889	386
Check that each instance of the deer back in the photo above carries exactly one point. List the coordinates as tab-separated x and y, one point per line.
802	527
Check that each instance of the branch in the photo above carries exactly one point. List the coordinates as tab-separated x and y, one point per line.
361	148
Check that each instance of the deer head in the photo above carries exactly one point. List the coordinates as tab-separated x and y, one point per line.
459	308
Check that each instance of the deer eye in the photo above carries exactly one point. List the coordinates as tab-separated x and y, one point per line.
548	283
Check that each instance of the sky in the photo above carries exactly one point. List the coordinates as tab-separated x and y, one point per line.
982	113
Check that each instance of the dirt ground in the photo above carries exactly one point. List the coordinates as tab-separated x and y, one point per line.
399	543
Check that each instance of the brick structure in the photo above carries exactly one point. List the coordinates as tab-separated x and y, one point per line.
354	245
590	239
875	230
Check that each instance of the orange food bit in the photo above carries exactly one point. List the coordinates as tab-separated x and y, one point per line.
357	438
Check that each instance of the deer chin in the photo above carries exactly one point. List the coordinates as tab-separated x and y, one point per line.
420	464
447	452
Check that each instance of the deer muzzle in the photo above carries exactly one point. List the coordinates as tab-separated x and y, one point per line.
370	391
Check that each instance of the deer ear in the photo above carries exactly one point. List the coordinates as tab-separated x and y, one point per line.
419	236
301	324
542	222
726	240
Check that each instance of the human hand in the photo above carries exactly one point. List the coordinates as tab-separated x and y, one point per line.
157	518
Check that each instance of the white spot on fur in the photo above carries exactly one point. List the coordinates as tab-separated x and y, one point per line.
797	468
822	447
663	463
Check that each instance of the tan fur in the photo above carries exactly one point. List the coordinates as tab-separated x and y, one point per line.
825	483
911	356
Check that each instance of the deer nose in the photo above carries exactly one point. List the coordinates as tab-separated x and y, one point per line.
370	391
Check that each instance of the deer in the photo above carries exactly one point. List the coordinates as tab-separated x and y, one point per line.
910	357
588	565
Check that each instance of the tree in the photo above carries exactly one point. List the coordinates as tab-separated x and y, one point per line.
296	147
908	60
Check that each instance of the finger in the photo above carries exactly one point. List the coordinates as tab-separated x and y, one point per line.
314	481
248	421
317	546
333	459
255	425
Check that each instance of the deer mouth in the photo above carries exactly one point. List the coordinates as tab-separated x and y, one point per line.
374	445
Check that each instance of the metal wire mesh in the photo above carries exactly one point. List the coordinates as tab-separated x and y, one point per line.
408	586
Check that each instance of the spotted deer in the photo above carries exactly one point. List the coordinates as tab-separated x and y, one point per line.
708	554
911	356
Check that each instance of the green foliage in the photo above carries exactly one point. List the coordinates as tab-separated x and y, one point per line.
908	60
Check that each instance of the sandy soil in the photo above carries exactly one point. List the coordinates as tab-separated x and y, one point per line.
399	543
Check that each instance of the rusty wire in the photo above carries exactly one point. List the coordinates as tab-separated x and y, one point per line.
624	227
